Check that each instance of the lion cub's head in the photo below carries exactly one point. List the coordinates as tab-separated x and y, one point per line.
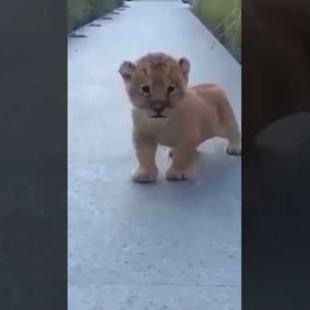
156	83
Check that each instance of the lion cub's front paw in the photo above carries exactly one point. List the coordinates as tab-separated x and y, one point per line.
176	174
234	149
144	176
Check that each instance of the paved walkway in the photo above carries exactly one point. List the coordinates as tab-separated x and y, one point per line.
164	246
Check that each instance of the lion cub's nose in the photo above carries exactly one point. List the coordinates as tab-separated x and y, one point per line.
158	106
158	109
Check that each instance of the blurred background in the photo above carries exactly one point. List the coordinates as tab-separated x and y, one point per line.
81	12
222	17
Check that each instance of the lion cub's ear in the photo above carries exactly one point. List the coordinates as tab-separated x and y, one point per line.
126	70
185	67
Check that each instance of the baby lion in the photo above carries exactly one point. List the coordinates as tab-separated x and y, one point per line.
168	112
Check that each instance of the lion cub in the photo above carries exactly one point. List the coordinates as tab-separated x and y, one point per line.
168	112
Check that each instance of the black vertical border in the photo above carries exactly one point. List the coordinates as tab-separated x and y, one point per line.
33	155
276	157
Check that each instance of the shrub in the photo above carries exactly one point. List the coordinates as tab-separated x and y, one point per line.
223	18
81	12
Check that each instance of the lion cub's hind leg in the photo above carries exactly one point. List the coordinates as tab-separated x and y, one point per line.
229	126
234	141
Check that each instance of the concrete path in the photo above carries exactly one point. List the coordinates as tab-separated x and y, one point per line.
164	246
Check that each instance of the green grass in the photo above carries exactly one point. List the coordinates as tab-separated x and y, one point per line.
223	18
81	12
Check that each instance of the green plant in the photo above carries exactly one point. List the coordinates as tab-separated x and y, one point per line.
223	18
83	11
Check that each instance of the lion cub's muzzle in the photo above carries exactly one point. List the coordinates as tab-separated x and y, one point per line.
158	107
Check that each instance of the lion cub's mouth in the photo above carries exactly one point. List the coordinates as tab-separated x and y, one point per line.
158	116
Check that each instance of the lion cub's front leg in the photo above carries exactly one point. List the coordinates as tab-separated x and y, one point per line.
145	147
181	160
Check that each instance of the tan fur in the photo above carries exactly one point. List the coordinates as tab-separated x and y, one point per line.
191	114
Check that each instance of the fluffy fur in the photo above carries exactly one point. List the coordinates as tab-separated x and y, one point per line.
168	112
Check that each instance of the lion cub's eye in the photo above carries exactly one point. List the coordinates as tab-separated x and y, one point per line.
146	89
170	89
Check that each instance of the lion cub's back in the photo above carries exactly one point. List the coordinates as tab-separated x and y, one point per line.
208	92
214	97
